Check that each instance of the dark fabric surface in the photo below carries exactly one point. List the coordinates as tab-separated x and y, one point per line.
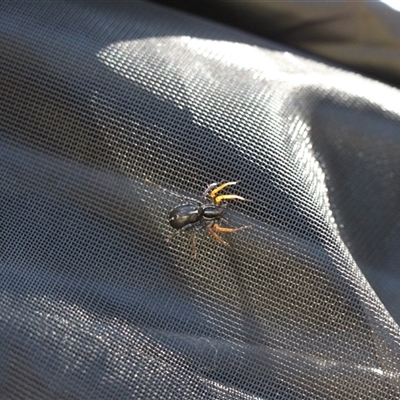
359	34
106	117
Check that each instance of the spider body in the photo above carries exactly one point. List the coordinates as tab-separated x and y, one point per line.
208	213
188	214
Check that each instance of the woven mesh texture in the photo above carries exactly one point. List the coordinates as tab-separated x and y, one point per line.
106	117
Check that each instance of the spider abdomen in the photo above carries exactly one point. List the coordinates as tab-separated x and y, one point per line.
184	215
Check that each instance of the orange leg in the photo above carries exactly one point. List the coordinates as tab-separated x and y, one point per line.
215	236
220	228
212	228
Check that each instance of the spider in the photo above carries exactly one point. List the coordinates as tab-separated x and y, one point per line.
208	214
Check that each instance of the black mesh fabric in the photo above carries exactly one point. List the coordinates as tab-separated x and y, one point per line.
106	117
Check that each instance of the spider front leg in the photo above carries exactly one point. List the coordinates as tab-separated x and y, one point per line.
209	188
213	189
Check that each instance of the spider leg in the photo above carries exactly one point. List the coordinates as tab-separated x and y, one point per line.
193	244
195	226
185	228
218	199
169	238
215	188
216	236
216	227
220	228
209	188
